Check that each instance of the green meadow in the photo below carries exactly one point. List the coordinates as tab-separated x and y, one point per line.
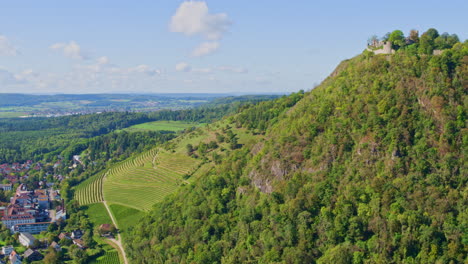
162	126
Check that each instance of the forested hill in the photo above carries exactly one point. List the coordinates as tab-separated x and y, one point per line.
369	167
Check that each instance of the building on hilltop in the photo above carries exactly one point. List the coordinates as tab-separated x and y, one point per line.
380	47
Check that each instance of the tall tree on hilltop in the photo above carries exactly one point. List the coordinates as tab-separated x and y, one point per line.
397	38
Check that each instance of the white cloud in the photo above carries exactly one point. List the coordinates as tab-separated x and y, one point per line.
145	69
233	69
6	48
193	18
103	60
71	50
27	75
8	78
205	48
183	67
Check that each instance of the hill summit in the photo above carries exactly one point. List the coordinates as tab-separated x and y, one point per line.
369	167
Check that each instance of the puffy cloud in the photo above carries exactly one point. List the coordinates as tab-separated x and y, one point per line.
183	67
193	18
71	50
233	69
205	48
6	48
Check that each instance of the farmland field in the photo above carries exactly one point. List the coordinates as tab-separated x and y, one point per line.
11	114
162	125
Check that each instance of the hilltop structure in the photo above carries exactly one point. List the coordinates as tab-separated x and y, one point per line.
380	47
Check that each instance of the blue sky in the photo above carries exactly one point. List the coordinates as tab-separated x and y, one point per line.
197	46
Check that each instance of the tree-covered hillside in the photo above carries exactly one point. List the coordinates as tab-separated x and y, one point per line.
369	167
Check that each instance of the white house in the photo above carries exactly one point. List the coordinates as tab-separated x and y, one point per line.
26	239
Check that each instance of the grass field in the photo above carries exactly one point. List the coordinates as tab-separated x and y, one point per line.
125	216
162	125
90	191
11	114
97	214
146	179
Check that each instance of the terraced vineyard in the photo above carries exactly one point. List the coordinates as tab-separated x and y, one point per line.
90	191
142	181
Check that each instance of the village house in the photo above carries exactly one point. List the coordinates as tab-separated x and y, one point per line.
77	234
6	250
32	255
26	239
56	246
6	187
15	258
80	243
64	236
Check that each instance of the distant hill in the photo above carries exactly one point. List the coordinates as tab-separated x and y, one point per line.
28	105
369	167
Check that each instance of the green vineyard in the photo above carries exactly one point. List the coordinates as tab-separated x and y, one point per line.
90	191
111	257
146	179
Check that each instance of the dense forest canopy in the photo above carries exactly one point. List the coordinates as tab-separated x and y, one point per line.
369	167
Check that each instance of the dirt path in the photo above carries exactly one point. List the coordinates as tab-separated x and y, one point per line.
117	241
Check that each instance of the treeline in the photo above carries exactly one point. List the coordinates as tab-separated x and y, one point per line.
260	116
369	167
425	44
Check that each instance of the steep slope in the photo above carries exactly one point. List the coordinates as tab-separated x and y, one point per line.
369	167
